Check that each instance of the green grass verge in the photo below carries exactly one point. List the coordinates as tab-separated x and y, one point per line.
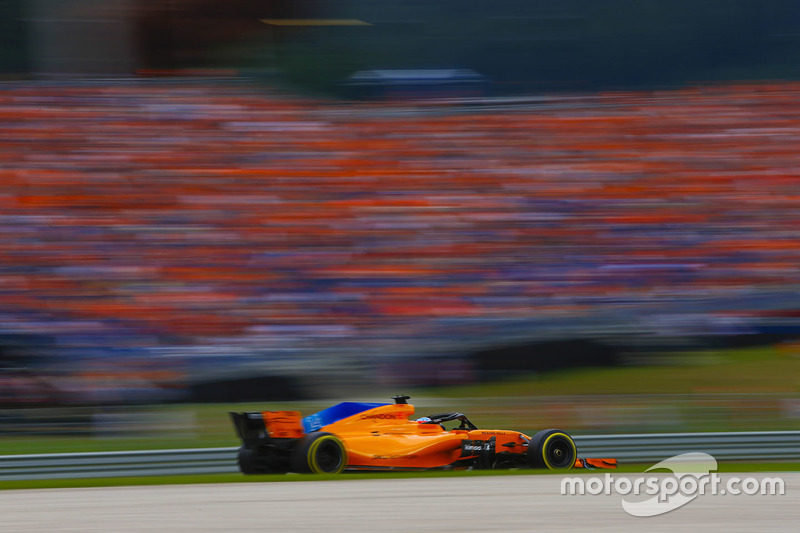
761	369
284	478
755	370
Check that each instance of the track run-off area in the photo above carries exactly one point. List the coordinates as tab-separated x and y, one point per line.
360	504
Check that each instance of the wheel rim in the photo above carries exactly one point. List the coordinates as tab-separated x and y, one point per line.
329	456
559	452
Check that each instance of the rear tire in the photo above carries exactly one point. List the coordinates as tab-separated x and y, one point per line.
259	461
320	453
552	449
248	462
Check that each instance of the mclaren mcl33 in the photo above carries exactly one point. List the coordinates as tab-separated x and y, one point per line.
376	436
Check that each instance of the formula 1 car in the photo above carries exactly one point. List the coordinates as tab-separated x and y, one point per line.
376	436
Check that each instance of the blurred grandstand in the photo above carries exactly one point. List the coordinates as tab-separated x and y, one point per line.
159	234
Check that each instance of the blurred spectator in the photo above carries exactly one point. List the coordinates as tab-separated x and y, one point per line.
223	216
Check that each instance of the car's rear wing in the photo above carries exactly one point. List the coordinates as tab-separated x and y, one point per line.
254	426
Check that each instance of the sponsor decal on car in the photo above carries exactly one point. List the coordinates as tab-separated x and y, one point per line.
474	447
383	416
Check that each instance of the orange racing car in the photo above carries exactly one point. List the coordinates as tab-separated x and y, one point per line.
375	436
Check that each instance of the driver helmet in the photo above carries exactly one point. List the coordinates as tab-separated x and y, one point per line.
425	420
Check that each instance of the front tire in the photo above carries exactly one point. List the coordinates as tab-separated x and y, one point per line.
320	453
552	449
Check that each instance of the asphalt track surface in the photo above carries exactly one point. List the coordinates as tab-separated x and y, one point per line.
360	504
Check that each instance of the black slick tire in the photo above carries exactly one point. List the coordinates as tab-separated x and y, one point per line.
319	453
552	449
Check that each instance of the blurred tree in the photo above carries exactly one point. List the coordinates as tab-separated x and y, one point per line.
14	55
